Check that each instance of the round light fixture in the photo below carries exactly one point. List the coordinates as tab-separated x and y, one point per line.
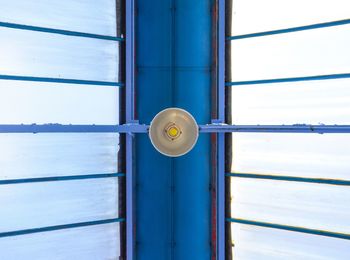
173	132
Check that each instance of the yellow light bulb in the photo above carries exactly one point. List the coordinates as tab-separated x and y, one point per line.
173	131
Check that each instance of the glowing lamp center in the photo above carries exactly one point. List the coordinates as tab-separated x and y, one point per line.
172	131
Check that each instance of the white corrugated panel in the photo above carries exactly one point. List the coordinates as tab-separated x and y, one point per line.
315	206
57	203
308	102
252	243
28	205
298	204
304	53
74	15
47	155
301	155
86	243
251	16
42	103
37	54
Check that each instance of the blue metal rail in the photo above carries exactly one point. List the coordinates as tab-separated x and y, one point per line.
220	189
289	30
134	128
130	119
58	128
62	178
59	31
290	178
318	129
60	227
290	228
283	80
61	80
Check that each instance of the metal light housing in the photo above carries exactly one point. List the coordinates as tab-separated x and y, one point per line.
173	132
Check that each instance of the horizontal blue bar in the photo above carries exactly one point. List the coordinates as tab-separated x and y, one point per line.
60	227
62	178
210	128
298	128
59	31
290	228
57	128
289	30
281	80
290	178
60	80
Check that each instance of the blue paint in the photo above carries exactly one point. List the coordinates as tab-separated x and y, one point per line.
130	119
173	70
62	178
59	31
136	128
60	80
298	128
221	60
58	128
60	227
290	178
290	228
221	196
220	168
282	80
289	30
192	92
154	93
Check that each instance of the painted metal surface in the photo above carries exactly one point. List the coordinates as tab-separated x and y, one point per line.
192	89
129	119
221	203
154	59
135	128
173	69
318	129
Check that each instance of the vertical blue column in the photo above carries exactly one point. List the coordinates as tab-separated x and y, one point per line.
173	56
154	93
192	92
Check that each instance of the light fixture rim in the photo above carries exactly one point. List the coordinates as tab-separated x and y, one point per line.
190	116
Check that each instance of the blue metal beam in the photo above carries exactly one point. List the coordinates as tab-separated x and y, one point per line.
289	30
62	178
61	80
282	80
220	189
290	178
59	31
130	119
135	128
58	128
319	129
290	228
155	85
60	227
192	92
